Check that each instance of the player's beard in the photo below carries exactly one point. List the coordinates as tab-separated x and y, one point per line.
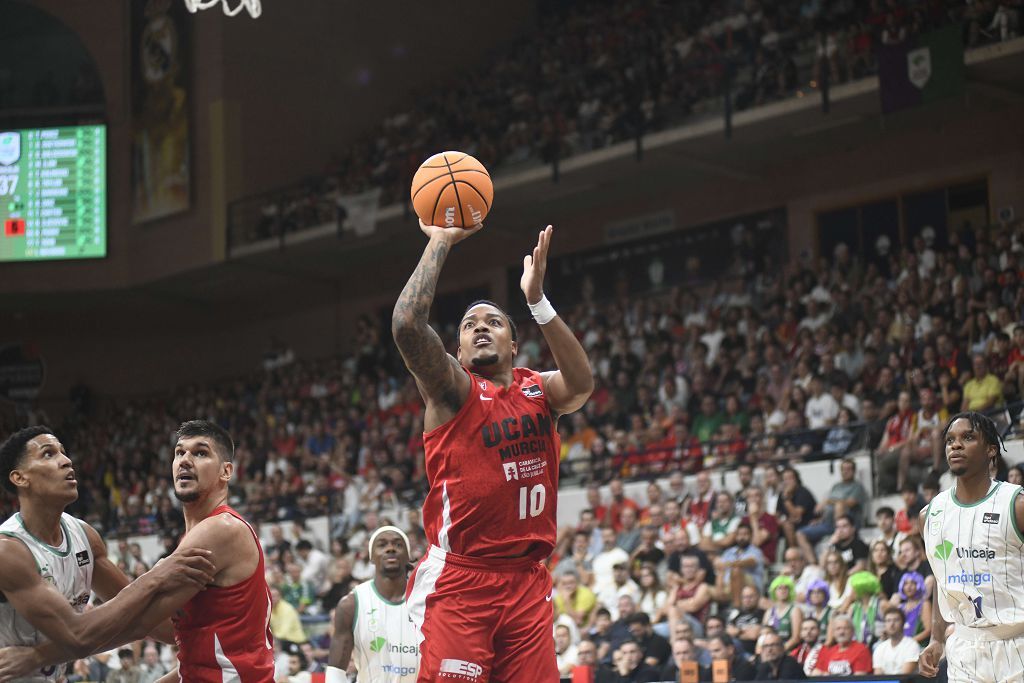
187	497
484	361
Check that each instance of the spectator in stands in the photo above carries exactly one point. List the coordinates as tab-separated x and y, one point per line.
784	617
629	530
586	658
621	585
566	654
847	543
653	597
579	559
796	506
837	575
915	606
984	390
898	430
337	585
656	650
721	647
629	667
574	599
867	609
841	437
895	654
806	652
775	664
692	598
743	621
708	421
846	497
719	531
315	564
298	593
1015	475
821	410
701	504
600	633
742	564
606	560
911	559
847	657
619	501
285	622
803	574
684	653
907	521
764	526
882	565
885	521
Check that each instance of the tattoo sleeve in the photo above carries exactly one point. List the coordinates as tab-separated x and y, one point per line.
421	348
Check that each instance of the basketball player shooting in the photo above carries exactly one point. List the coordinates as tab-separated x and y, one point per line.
372	625
480	597
50	562
221	625
973	536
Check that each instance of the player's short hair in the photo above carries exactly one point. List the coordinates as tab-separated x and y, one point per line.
982	424
13	451
212	430
488	302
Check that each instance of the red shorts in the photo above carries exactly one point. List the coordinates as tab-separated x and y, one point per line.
482	620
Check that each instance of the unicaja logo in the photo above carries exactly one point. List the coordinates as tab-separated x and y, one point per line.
449	217
944	550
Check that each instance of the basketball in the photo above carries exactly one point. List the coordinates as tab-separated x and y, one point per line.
453	190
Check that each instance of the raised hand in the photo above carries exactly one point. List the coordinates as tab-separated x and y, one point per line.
534	266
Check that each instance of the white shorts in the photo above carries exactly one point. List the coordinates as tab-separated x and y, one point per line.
977	655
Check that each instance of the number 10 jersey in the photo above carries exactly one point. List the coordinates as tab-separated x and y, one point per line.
493	472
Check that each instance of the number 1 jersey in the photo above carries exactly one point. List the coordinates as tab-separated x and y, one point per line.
493	472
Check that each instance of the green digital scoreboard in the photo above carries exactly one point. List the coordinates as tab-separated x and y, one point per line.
53	193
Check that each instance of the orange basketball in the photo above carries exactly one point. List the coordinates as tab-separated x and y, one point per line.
452	189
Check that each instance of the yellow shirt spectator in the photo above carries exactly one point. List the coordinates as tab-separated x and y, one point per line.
984	393
583	603
285	623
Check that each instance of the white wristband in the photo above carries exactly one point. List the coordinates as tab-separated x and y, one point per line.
543	312
335	675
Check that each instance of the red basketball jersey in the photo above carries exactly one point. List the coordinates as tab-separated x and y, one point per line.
493	472
223	634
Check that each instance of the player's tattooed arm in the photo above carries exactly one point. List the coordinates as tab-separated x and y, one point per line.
439	377
343	639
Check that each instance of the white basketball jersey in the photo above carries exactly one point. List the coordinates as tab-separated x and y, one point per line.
977	555
386	642
67	568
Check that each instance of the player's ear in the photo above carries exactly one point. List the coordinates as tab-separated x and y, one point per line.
18	478
227	470
515	349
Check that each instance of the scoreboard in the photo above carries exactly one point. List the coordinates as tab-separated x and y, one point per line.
53	193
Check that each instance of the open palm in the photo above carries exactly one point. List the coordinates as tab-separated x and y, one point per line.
534	266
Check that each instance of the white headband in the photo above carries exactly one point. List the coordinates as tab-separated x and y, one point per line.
395	529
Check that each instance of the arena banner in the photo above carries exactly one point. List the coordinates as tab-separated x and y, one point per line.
923	69
160	81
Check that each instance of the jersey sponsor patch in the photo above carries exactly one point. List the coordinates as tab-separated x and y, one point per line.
532	391
990	518
83	558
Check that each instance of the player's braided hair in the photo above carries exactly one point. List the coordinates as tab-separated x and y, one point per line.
982	424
